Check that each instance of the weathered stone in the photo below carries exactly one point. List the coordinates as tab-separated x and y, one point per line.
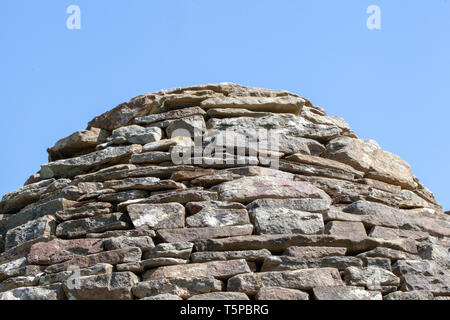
171	115
285	221
370	276
345	293
141	266
41	229
180	250
324	162
71	167
309	205
248	255
440	254
423	275
18	268
252	171
57	251
182	287
187	127
85	211
125	112
267	144
219	296
151	157
194	234
31	293
212	180
383	263
248	189
11	221
216	214
123	196
259	104
18	282
81	227
157	216
367	156
314	170
77	142
161	297
282	124
279	243
180	196
109	286
217	269
341	191
346	229
388	253
392	234
62	276
110	257
268	293
189	175
412	295
22	197
149	184
373	214
235	113
314	252
144	243
306	279
284	263
136	135
123	233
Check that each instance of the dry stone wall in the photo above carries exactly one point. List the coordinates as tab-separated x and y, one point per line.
154	201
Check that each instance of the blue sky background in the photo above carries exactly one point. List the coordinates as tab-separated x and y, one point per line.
391	85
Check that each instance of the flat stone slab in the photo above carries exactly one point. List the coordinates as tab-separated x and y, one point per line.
157	216
306	279
217	269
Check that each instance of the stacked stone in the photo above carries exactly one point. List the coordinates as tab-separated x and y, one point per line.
111	216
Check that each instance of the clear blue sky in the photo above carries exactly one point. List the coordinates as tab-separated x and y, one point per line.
391	85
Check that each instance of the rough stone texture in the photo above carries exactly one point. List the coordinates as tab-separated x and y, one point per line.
281	294
140	205
33	231
79	165
217	269
57	251
306	279
345	293
157	216
182	287
109	286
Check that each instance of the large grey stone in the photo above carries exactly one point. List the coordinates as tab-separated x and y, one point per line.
219	296
284	294
248	189
109	286
282	263
81	227
367	156
217	269
423	275
182	287
157	216
135	134
283	221
82	164
33	231
345	293
216	214
248	255
194	234
370	277
306	279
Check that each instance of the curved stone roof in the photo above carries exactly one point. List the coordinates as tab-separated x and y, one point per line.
222	192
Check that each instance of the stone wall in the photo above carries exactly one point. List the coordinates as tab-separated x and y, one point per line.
319	215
